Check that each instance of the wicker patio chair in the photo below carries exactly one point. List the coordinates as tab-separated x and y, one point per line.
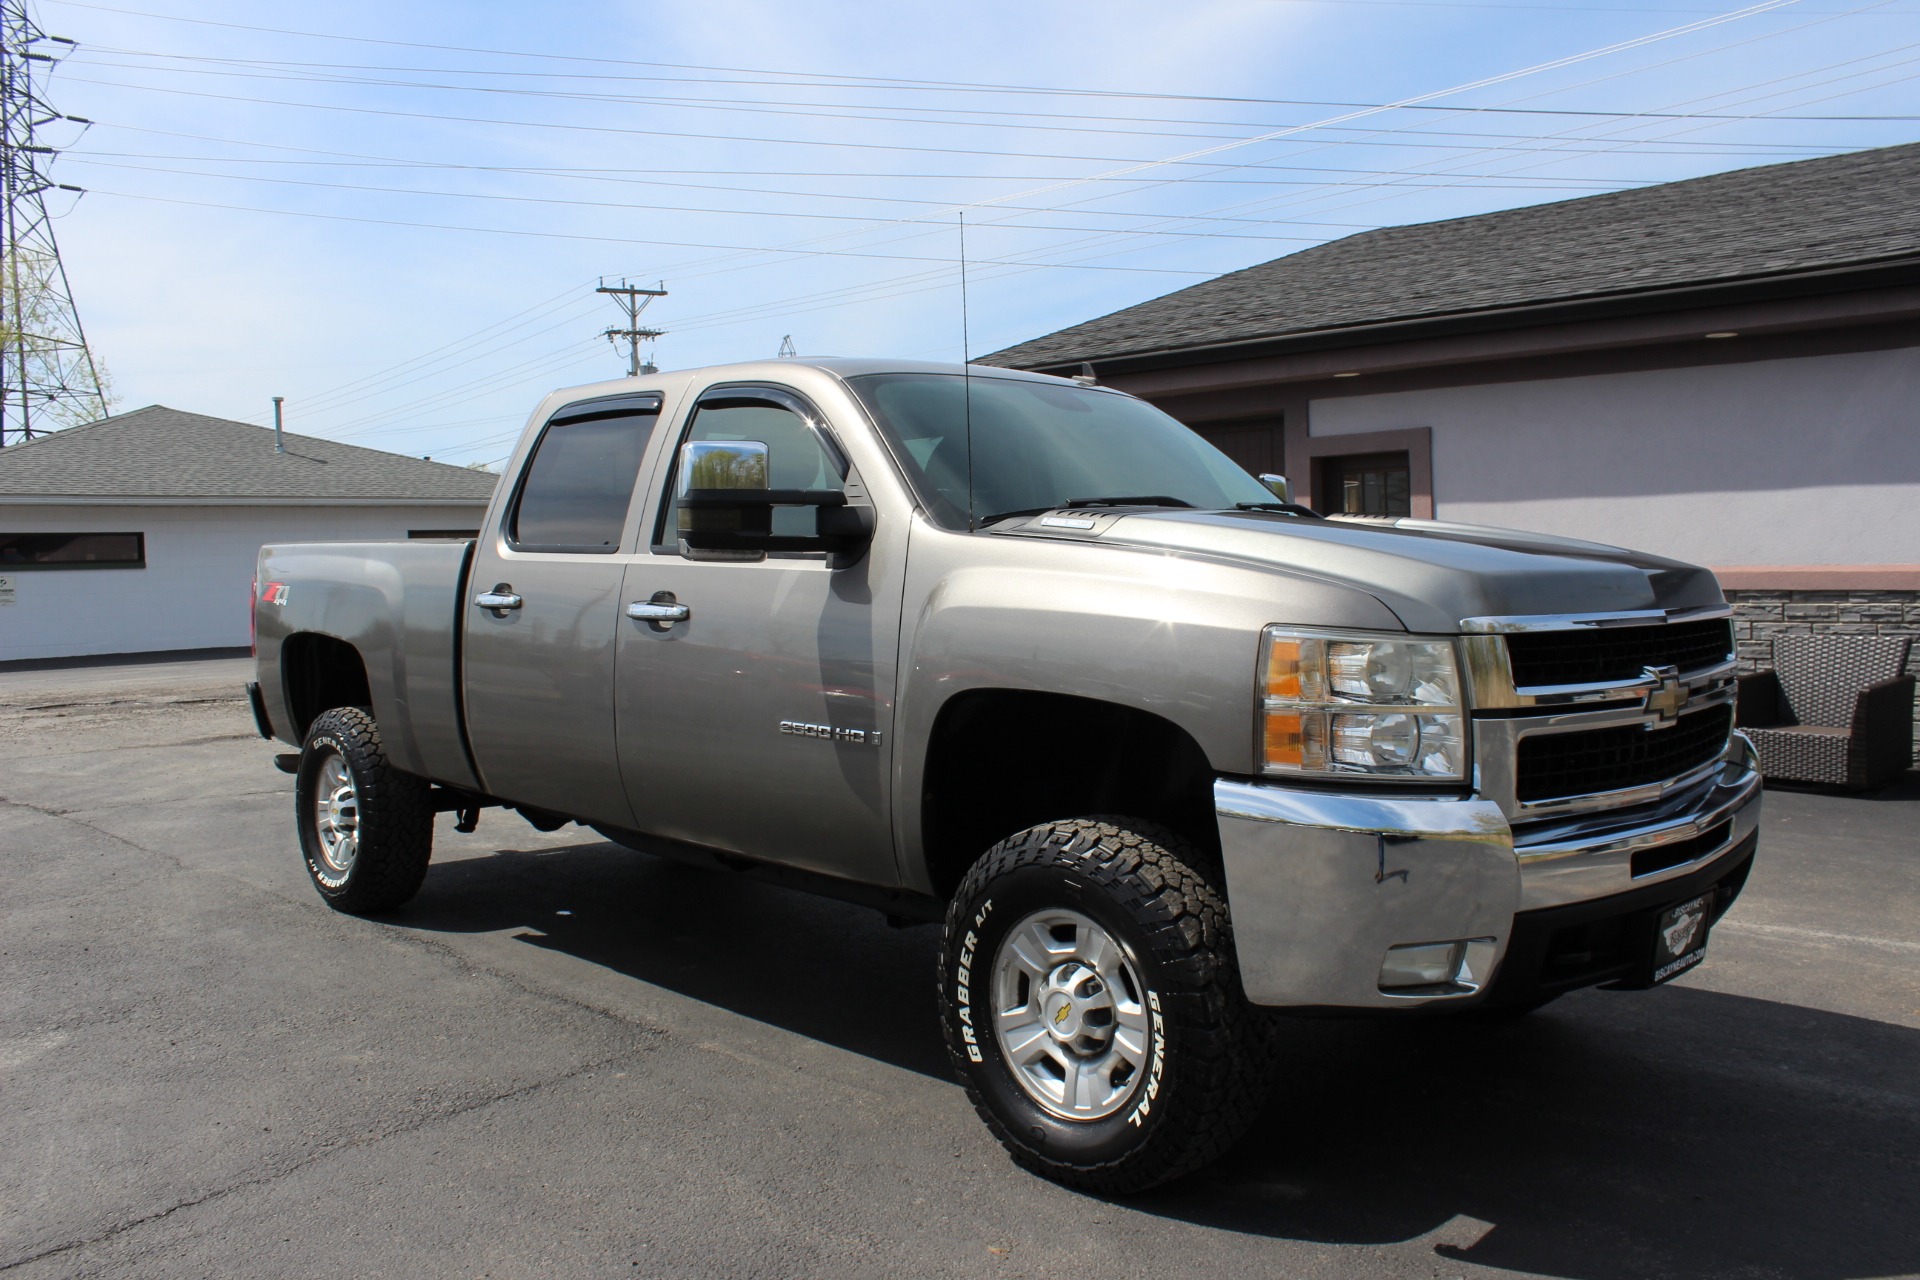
1834	709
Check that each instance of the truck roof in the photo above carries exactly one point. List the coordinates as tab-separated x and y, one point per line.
775	370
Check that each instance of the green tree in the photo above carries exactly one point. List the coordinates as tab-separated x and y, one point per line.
66	384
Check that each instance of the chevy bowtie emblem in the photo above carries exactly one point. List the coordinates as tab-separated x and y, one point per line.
1667	698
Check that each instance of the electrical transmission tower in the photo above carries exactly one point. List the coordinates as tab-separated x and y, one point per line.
633	301
47	374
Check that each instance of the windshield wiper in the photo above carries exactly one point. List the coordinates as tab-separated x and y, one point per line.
1147	500
1289	508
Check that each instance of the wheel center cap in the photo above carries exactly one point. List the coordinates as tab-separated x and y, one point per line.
1062	1015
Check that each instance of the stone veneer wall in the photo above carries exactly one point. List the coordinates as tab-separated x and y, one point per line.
1759	615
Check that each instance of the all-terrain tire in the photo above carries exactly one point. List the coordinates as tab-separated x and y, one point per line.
1143	886
391	816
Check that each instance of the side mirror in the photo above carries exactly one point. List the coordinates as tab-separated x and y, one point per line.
725	504
1279	486
725	464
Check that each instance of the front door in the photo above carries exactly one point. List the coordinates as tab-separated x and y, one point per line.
543	609
762	724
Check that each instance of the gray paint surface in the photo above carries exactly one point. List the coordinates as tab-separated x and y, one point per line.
394	601
206	1072
1160	612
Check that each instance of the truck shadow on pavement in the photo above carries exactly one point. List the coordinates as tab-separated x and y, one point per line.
806	964
1674	1132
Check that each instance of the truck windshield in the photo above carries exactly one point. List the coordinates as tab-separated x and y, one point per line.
1039	445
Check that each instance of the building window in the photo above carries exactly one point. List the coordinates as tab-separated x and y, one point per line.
73	550
1367	484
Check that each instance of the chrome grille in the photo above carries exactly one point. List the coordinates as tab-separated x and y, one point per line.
1574	713
1593	656
1554	765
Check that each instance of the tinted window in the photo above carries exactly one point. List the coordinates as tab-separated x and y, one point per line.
1015	445
578	484
73	550
795	456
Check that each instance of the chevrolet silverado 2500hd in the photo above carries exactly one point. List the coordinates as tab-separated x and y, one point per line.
1165	751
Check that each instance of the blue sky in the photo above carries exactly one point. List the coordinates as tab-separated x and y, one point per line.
394	215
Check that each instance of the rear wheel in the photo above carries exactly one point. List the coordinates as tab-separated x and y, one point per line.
366	828
1093	1005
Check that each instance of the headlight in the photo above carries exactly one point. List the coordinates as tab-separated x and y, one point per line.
1379	705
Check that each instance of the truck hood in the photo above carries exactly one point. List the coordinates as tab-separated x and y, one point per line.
1432	574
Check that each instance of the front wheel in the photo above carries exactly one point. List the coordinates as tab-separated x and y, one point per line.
366	828
1093	1006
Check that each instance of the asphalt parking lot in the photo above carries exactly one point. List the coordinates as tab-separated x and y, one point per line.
565	1058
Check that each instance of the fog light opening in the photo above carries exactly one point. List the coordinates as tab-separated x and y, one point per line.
1428	969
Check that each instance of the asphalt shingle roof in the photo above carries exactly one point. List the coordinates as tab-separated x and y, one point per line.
1810	214
157	452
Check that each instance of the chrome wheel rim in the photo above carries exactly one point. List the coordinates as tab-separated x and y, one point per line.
1070	1015
336	816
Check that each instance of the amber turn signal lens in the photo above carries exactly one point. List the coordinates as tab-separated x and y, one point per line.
1286	741
1283	673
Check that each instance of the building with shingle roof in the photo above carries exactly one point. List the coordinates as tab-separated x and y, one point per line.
1725	370
162	454
1670	366
1777	230
138	533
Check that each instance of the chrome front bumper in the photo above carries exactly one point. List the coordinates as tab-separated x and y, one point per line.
1323	883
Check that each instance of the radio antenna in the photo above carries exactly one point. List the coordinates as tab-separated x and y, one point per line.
966	370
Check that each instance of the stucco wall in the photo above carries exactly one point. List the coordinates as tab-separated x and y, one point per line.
1810	461
193	592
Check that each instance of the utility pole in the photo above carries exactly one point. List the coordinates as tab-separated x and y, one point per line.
47	375
787	350
633	301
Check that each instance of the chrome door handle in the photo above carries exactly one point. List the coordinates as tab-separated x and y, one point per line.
650	611
499	600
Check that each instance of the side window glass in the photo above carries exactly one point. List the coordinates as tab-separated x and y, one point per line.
578	483
796	457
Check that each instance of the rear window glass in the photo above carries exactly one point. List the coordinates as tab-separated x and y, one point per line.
579	482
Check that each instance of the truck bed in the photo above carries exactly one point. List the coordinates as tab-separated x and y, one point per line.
399	604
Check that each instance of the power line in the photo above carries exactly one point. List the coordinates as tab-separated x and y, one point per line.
558	235
829	110
1225	143
1297	199
746	213
1012	262
821	78
1131	166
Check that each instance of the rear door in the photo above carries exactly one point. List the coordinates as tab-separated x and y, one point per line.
542	609
762	724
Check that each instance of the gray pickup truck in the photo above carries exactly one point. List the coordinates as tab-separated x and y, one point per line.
1165	751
